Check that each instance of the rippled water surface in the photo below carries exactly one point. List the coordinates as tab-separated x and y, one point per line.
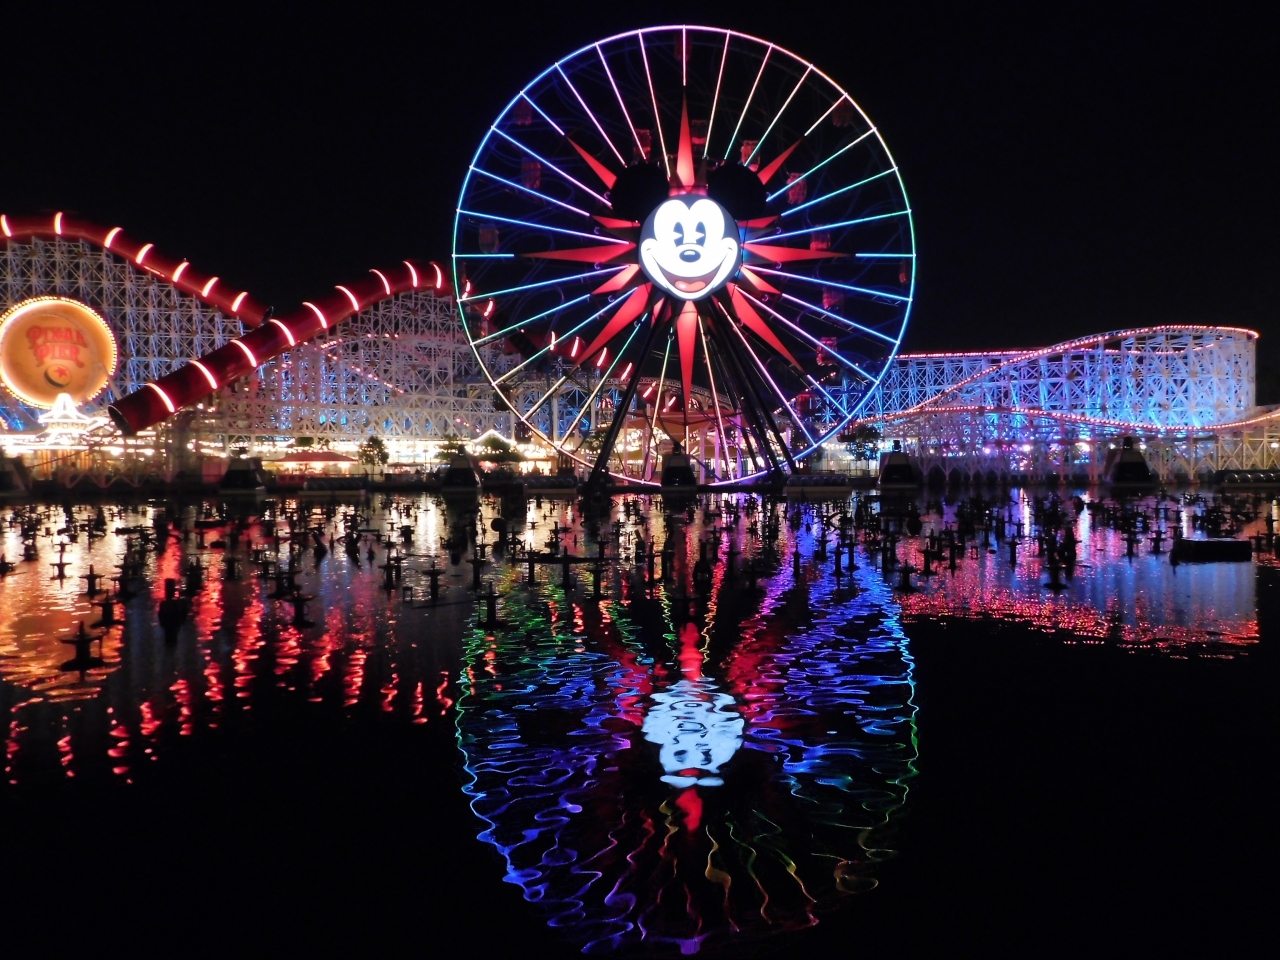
699	750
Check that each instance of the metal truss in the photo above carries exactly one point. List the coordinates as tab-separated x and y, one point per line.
156	325
1185	394
401	368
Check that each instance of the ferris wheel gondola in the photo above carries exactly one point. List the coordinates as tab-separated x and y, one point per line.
684	235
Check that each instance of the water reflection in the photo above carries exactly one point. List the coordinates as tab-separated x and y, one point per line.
710	734
236	651
1139	603
663	770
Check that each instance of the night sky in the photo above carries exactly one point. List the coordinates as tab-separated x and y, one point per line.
1071	170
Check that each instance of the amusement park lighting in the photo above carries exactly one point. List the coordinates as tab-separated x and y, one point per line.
324	321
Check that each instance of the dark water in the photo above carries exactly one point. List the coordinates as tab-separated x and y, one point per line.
822	762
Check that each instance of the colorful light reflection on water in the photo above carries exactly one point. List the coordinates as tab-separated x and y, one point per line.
659	770
663	770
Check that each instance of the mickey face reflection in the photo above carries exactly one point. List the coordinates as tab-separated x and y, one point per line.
689	247
698	729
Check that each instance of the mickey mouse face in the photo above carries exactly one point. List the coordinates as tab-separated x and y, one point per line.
689	248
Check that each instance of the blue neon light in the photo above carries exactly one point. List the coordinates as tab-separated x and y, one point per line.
842	223
541	226
851	324
542	283
543	160
521	187
848	146
836	193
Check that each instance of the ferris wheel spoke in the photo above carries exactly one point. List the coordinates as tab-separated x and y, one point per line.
754	407
529	190
587	110
813	341
493	295
826	393
836	193
542	113
764	370
715	100
747	106
841	224
544	226
544	350
753	320
604	378
552	391
824	282
843	321
711	380
657	117
631	308
507	331
622	106
778	116
839	100
547	163
818	166
657	405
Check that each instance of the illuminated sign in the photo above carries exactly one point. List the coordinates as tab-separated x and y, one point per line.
689	247
52	345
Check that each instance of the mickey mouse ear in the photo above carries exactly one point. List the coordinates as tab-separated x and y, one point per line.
738	190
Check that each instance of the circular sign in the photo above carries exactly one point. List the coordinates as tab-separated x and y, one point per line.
52	345
689	246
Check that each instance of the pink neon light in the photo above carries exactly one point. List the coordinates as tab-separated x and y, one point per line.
4	225
178	271
577	345
488	309
648	392
385	285
318	312
235	304
413	274
355	304
142	254
247	352
287	332
207	375
466	289
208	286
604	355
57	223
626	373
439	276
165	397
111	236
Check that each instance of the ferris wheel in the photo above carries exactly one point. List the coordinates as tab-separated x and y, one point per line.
683	236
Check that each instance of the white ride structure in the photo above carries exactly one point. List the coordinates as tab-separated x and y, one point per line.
1184	394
